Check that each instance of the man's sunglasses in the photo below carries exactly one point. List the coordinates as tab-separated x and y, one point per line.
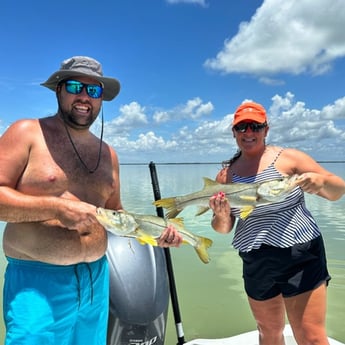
76	87
255	127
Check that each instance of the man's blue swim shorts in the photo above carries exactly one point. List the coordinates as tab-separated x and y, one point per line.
48	304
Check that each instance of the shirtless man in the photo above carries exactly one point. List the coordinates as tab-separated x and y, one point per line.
53	174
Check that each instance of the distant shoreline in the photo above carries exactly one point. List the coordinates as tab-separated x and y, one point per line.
203	163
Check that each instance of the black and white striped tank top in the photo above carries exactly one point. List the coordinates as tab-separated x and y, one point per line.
281	224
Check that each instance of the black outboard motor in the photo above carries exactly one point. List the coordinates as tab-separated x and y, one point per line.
139	293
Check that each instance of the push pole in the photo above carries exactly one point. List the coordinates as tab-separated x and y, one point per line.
172	285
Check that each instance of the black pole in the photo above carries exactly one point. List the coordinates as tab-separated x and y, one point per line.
172	285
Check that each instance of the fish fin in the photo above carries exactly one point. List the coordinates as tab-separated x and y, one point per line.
177	221
202	210
201	248
143	238
170	205
208	182
246	211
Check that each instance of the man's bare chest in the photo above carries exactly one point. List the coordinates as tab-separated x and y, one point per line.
54	172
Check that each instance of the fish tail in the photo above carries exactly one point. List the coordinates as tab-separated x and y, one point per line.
170	205
201	249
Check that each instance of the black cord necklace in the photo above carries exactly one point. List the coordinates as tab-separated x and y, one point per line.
90	171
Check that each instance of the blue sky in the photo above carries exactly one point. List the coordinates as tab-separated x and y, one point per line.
184	67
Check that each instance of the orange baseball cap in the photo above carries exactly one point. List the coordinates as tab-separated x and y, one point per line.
250	111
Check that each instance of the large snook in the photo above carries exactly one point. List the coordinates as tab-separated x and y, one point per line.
147	229
245	196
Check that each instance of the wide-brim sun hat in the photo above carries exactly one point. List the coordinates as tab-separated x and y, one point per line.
250	111
84	66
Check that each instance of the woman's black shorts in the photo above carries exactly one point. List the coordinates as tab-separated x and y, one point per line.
270	271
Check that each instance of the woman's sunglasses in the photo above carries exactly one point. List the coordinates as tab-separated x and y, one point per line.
76	87
255	127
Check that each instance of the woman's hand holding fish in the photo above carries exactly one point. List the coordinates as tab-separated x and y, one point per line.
310	182
328	186
170	238
220	205
222	220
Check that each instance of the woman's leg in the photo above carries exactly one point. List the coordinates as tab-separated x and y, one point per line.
270	319
307	314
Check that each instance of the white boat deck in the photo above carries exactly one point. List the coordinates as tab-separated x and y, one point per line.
250	338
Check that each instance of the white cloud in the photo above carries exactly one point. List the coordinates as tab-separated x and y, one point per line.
296	36
193	109
202	3
131	116
334	111
139	136
161	116
271	81
151	142
293	124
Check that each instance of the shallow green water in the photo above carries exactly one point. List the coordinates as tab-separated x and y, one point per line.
211	297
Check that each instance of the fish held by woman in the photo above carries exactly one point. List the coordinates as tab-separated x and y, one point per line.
146	229
245	196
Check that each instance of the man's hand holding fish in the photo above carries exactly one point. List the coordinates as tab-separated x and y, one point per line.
110	220
153	230
170	237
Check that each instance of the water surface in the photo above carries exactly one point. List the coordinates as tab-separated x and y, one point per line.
211	297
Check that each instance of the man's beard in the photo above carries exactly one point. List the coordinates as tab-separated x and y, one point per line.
72	120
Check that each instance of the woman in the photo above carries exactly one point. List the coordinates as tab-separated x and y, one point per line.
284	262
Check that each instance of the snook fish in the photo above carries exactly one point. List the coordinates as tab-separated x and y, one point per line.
146	229
245	196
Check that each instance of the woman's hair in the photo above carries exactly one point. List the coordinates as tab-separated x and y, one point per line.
227	163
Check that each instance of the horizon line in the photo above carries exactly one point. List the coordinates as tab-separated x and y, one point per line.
199	163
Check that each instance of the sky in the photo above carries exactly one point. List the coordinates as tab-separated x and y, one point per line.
184	67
